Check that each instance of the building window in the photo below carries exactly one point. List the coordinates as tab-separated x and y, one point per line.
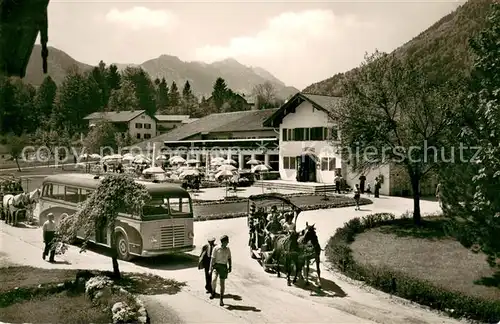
298	134
138	135
334	134
147	136
285	134
317	134
289	162
143	117
147	126
138	125
328	164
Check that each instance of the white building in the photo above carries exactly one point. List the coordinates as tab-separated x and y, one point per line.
308	139
137	123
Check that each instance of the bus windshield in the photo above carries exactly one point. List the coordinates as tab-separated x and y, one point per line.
170	207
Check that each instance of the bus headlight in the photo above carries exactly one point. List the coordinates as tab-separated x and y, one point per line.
153	240
190	235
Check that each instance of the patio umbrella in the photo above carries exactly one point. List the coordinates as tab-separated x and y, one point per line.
224	173
253	162
177	160
126	155
128	158
192	161
260	167
229	161
112	157
153	170
227	167
190	172
162	157
95	156
182	169
141	160
216	163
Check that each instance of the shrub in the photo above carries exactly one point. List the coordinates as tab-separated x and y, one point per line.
455	304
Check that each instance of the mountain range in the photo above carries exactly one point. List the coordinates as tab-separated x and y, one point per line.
441	50
201	76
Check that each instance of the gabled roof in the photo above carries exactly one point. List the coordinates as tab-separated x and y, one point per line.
224	122
324	103
114	116
165	118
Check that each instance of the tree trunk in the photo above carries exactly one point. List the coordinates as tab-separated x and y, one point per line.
415	184
114	257
17	163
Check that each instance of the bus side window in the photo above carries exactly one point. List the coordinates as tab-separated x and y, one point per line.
85	194
71	195
185	206
57	192
45	190
50	193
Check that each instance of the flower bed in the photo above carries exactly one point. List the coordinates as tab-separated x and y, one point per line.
229	199
333	202
455	304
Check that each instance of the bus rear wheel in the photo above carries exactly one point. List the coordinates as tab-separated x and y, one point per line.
122	248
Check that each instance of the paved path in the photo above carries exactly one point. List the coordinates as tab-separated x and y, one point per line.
258	297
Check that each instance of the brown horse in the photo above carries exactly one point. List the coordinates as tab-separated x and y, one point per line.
310	250
286	249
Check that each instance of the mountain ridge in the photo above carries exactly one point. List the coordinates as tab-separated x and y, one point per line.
442	50
240	78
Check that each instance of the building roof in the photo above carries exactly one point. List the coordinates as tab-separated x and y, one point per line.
224	122
324	103
164	118
116	116
190	120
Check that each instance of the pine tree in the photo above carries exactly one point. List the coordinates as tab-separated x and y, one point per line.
113	78
162	97
124	99
219	93
174	97
145	91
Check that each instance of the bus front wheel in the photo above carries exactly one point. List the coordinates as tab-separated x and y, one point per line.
122	248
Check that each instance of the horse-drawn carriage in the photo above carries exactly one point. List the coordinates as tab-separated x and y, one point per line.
15	204
288	248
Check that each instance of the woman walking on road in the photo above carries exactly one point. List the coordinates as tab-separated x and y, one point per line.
220	264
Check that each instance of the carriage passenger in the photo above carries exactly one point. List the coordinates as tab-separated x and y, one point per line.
289	225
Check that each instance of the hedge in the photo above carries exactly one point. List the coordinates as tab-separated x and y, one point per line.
455	304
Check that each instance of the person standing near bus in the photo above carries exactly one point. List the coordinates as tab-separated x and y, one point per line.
220	264
205	262
49	233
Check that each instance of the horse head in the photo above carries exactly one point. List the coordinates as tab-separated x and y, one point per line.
34	196
309	234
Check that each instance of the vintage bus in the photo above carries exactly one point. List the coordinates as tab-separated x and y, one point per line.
165	226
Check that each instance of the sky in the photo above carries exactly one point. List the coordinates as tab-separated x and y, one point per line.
300	42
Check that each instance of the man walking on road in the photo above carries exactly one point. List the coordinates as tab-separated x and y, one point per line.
49	233
205	262
221	264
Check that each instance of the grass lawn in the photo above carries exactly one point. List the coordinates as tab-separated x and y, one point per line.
58	308
68	306
428	254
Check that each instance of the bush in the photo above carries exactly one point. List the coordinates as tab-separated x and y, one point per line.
455	304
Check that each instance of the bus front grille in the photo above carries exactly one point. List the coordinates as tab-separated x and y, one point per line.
172	236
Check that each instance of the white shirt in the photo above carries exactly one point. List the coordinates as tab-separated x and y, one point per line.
289	227
49	226
221	255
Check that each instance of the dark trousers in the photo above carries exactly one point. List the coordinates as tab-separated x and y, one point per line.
337	186
208	279
362	187
48	239
377	192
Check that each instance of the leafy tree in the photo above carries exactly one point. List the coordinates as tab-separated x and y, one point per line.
470	188
162	96
115	193
124	99
99	76
16	145
113	78
265	94
391	114
77	98
145	91
44	99
174	98
50	140
101	135
219	93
